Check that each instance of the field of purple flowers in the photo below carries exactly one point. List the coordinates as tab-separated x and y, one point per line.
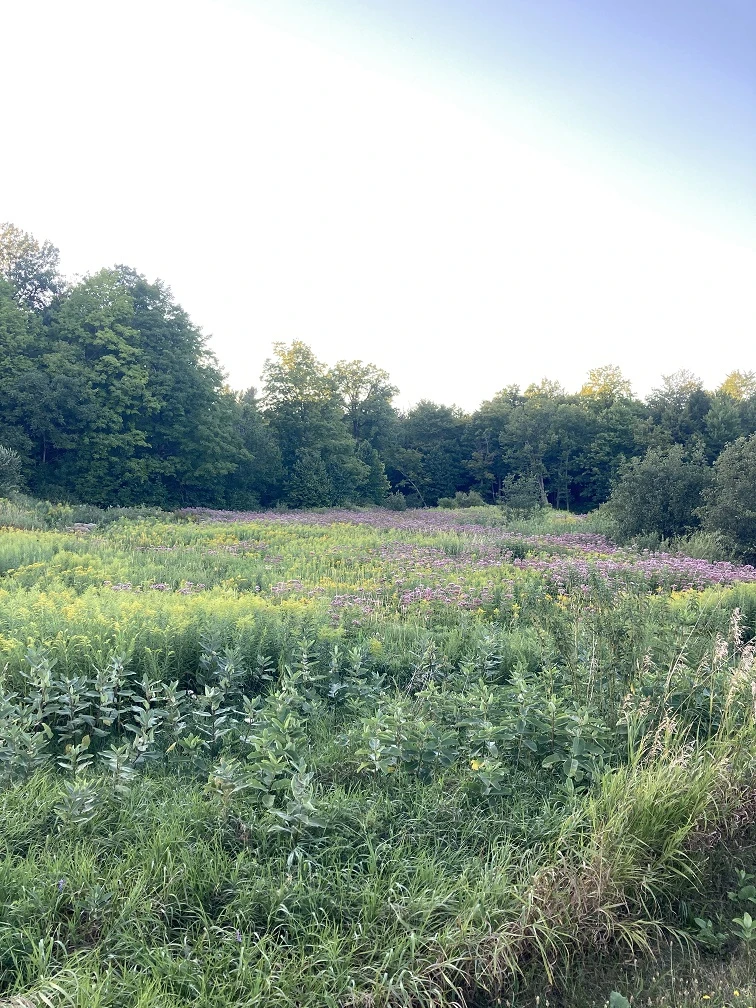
570	560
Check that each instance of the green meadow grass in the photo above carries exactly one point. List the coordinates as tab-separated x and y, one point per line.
243	764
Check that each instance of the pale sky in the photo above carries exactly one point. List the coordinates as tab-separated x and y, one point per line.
469	194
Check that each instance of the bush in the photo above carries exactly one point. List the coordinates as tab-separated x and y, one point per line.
414	500
703	545
730	502
659	494
462	500
521	496
467	500
396	502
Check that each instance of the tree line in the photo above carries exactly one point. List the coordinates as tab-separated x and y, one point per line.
110	395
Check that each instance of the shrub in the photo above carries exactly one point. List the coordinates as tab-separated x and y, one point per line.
396	502
659	494
471	499
703	545
462	500
729	503
521	496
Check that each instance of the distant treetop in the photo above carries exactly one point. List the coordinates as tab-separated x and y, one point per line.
607	382
31	268
739	384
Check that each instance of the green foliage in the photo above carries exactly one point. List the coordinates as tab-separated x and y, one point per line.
304	409
366	393
617	1000
396	502
729	505
110	395
10	471
237	764
606	382
29	267
520	496
723	424
258	478
431	460
373	487
462	500
660	493
679	408
309	484
115	399
741	385
570	446
725	931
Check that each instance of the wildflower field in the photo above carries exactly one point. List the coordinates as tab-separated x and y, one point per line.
361	758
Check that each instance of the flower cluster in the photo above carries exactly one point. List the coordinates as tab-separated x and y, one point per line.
350	608
187	588
295	587
646	571
456	594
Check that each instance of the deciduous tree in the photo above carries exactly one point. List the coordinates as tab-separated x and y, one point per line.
730	502
30	267
660	493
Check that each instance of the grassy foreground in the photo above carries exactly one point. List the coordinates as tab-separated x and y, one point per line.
364	759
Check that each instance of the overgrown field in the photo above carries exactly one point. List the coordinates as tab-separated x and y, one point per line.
360	758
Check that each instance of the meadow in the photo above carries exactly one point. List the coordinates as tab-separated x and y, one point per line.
364	758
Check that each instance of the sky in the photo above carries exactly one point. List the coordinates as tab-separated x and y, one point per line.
468	193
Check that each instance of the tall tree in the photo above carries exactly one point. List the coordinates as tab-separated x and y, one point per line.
678	409
574	430
304	410
366	393
374	486
739	384
31	268
617	435
121	402
190	426
487	461
433	456
530	434
606	382
258	477
21	341
723	423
